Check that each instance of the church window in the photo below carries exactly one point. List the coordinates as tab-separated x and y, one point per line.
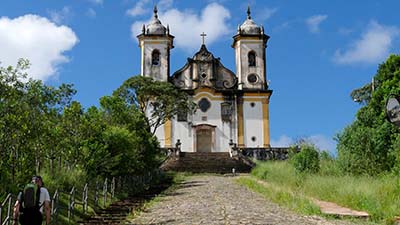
155	58
226	111
252	78
203	75
204	104
253	138
252	58
252	104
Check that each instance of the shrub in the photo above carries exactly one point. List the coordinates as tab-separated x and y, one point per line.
307	160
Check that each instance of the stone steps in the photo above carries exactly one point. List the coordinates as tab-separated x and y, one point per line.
210	162
117	212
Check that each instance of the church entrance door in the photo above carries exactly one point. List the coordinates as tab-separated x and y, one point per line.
204	143
204	137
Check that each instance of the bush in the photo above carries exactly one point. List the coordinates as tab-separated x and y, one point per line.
307	160
64	179
329	166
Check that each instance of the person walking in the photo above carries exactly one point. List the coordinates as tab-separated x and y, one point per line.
32	203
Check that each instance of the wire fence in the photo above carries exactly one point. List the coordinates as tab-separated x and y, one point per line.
103	194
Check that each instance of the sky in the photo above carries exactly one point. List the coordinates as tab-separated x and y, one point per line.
319	51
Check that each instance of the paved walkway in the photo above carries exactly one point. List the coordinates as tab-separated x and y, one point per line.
220	200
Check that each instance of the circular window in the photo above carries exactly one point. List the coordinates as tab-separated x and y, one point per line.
252	104
252	78
203	75
253	139
204	104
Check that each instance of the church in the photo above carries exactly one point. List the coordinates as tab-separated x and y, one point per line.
233	107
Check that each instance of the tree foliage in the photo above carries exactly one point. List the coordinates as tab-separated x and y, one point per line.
28	109
42	128
307	160
159	101
369	144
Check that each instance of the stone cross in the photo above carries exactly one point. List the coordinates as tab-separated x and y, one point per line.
203	35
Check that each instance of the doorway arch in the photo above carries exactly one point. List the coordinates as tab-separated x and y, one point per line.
204	138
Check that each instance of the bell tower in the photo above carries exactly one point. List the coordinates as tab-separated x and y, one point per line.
250	44
155	43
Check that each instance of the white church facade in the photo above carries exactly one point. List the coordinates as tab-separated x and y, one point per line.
232	107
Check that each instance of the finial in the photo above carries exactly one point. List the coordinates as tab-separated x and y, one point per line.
143	29
155	12
248	12
203	35
167	28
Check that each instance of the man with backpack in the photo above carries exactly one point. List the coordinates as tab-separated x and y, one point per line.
31	203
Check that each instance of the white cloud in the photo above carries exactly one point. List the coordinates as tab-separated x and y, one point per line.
91	13
143	7
323	143
97	2
284	26
264	14
37	39
320	141
345	31
165	4
187	26
313	22
139	9
283	141
373	46
61	16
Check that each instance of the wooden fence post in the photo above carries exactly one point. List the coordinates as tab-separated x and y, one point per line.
71	205
55	206
85	198
113	188
105	193
9	217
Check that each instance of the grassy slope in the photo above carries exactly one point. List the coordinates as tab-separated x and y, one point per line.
379	196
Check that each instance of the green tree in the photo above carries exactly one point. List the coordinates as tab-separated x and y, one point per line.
26	107
71	133
307	160
159	101
367	145
118	113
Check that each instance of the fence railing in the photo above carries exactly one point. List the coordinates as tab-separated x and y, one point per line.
130	184
8	201
55	206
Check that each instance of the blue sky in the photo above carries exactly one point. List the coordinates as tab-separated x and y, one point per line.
319	51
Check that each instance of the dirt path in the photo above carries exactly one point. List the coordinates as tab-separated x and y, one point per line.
219	200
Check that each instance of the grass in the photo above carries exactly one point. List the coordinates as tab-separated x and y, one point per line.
291	199
63	182
379	196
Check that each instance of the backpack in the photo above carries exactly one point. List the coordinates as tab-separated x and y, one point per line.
31	197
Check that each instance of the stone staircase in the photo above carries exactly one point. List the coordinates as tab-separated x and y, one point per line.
117	212
207	162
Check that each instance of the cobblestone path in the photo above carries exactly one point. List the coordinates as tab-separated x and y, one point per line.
219	200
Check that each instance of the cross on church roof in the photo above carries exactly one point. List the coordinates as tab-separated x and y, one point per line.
203	35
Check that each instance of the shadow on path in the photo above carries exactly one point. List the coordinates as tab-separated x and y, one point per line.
117	212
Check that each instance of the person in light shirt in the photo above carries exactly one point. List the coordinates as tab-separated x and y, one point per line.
33	217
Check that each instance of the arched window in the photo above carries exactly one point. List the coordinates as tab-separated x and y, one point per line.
155	57
252	58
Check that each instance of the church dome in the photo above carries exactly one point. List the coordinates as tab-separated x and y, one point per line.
249	27
155	27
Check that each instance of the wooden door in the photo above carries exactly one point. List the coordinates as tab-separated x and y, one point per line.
204	140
